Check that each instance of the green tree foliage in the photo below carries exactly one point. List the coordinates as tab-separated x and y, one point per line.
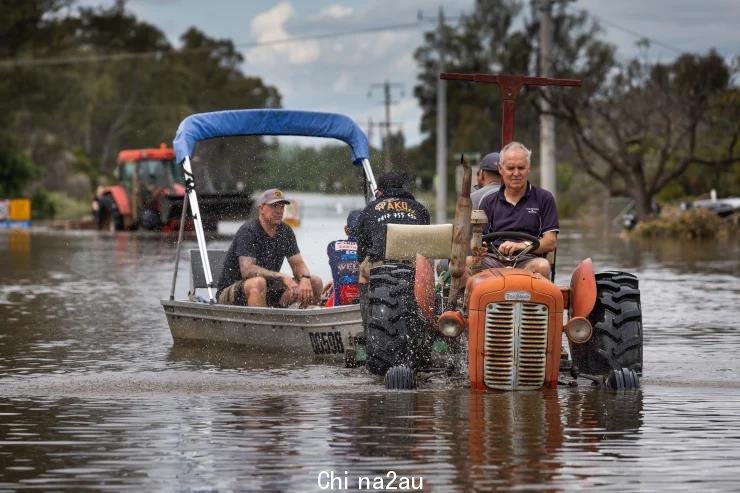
638	129
648	123
16	169
326	169
484	41
78	85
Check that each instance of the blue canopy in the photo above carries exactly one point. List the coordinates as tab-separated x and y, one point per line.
202	126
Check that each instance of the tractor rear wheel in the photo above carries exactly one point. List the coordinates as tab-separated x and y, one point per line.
394	332
616	342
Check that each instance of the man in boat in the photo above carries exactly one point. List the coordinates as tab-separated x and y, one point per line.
520	206
394	204
488	178
344	265
251	273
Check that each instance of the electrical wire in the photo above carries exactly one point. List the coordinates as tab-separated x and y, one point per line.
112	57
637	34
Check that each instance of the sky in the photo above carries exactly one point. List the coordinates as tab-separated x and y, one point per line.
345	73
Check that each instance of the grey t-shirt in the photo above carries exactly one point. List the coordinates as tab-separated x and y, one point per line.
252	241
477	196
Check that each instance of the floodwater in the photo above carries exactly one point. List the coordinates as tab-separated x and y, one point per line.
93	394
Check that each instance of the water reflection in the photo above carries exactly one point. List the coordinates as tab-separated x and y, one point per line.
95	395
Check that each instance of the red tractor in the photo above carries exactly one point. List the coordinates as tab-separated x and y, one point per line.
510	322
150	192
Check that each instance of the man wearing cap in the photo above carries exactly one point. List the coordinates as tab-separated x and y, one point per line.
520	206
488	179
394	204
251	274
344	264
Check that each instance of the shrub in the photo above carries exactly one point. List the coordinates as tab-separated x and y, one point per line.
691	224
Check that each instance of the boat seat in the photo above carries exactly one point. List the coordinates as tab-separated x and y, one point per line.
197	276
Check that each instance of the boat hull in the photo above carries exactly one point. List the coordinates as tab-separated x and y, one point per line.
326	333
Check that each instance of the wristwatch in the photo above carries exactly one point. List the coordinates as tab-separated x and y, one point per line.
306	276
527	243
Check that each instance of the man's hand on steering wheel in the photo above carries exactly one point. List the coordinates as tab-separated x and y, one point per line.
510	248
515	246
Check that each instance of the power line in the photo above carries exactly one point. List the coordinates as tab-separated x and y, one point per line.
162	53
637	34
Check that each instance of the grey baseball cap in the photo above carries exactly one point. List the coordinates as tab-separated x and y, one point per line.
490	162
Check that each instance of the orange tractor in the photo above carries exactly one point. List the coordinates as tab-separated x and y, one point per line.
150	192
509	322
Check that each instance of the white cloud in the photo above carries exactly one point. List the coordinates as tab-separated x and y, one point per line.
343	83
335	12
270	26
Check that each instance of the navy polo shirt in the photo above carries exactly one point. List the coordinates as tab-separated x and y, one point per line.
535	213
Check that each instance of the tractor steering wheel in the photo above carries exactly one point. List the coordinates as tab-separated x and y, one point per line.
510	260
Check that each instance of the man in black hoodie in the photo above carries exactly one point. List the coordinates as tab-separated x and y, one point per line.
394	204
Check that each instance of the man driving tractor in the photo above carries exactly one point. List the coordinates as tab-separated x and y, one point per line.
520	206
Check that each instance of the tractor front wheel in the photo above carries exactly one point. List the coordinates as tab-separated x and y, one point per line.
400	378
616	342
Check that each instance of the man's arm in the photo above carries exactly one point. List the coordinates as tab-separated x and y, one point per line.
300	272
248	268
548	243
298	266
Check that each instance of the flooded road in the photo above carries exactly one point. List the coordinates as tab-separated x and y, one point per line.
93	394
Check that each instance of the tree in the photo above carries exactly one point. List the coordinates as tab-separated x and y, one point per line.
210	78
484	41
647	123
16	169
77	86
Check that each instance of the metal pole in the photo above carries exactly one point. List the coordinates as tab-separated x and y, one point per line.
179	244
387	90
190	189
547	120
370	178
441	202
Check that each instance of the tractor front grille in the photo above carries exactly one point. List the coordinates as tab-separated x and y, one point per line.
515	345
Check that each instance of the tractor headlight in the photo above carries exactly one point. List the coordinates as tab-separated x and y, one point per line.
578	330
451	324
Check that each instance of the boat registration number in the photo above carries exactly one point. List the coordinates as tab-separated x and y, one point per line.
326	342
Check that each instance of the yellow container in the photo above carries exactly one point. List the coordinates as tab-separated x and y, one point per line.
19	210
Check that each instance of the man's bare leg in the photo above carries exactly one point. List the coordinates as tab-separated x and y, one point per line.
255	291
539	266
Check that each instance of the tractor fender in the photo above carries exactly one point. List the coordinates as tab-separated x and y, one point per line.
120	197
582	289
424	289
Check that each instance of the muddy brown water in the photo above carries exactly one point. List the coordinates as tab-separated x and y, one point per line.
93	394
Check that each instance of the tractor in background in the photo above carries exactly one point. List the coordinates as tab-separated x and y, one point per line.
149	195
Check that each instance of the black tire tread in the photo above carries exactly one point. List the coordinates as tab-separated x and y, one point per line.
400	378
393	329
617	321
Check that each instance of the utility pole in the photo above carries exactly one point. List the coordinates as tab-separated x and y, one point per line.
387	124
370	125
547	119
441	202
